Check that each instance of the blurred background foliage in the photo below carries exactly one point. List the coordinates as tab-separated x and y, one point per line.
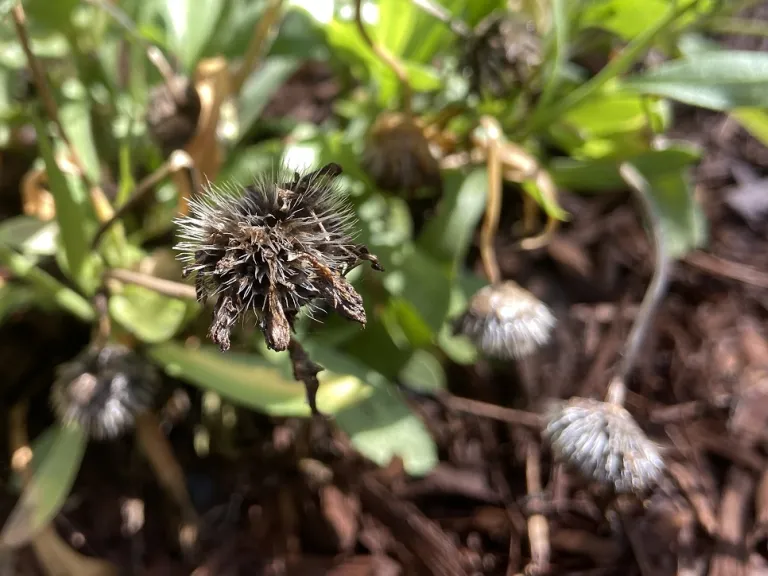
599	91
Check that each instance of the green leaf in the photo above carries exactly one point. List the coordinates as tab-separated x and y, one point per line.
55	15
755	121
48	488
191	24
397	19
76	119
383	427
29	235
251	381
627	18
721	80
149	316
423	373
14	297
69	213
448	235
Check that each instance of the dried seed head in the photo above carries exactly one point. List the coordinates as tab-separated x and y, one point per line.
502	52
271	249
506	321
102	390
397	155
605	444
173	114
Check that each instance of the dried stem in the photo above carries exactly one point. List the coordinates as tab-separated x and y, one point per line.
159	285
617	390
305	371
256	46
101	204
387	58
432	8
538	527
493	411
179	160
103	327
493	206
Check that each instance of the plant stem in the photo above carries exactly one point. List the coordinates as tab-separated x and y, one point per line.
387	58
102	206
159	285
617	390
545	116
492	411
493	206
64	296
256	46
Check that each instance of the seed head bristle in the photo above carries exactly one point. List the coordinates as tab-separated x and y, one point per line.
505	321
604	443
272	248
103	389
397	155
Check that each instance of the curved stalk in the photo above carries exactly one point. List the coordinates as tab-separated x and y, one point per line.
617	390
493	206
387	58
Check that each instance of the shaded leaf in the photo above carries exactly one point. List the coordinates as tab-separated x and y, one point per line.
191	24
383	427
423	372
150	316
251	381
48	488
720	80
76	119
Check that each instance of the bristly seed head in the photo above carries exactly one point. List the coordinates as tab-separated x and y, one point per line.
505	321
271	249
103	389
397	155
604	443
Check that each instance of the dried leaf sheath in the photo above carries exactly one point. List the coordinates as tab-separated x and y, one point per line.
272	248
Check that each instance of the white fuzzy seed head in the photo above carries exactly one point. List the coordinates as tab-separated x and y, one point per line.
604	443
103	390
505	321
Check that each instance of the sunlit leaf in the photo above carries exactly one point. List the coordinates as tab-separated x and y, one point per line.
29	235
150	316
721	80
383	427
251	381
48	488
755	121
423	372
76	118
191	24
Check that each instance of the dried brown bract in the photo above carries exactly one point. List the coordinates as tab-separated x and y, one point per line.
271	249
173	114
604	443
505	321
103	389
501	53
397	155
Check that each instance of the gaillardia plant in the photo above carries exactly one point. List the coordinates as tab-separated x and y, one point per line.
272	248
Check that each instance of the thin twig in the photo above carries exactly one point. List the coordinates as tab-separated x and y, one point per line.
538	527
387	58
102	205
493	411
493	206
617	390
305	371
179	160
727	269
159	285
256	47
103	327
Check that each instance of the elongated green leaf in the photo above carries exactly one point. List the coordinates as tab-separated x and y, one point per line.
48	489
251	381
755	121
69	213
150	316
383	427
397	19
448	235
423	372
191	24
721	80
29	235
76	118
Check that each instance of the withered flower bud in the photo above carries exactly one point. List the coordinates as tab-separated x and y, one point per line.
397	155
506	322
173	113
272	248
502	53
103	389
604	443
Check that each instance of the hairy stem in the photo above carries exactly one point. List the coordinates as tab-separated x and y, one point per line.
387	58
617	390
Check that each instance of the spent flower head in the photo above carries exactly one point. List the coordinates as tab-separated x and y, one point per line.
505	321
502	53
272	248
103	389
397	155
604	443
173	114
